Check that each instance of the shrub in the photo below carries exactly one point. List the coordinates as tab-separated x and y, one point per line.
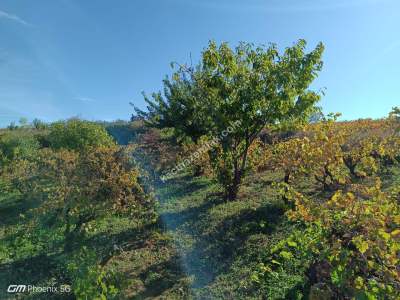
81	187
17	144
355	240
89	280
78	135
39	124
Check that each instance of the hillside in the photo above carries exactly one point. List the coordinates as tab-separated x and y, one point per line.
195	244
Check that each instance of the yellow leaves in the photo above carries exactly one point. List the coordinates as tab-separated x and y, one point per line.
366	166
340	200
371	264
359	283
335	198
381	150
361	222
350	196
395	233
360	244
382	233
264	268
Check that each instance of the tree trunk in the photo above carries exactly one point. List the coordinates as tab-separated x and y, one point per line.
350	166
233	189
287	177
238	172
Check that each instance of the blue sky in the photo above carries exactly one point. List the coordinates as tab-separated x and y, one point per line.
91	58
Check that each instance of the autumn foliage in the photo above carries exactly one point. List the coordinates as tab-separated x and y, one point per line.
348	241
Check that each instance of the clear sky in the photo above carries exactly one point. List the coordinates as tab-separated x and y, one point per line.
67	58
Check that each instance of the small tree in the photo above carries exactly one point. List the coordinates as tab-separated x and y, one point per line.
256	86
12	126
23	122
395	113
38	124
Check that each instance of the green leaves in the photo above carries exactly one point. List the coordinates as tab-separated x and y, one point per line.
395	113
361	245
286	255
78	135
257	86
16	144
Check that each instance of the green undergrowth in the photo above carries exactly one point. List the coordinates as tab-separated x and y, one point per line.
201	247
220	242
117	257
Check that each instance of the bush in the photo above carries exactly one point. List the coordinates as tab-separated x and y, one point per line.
81	187
78	135
89	280
16	145
354	244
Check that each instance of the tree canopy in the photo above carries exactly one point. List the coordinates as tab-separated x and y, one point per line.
255	85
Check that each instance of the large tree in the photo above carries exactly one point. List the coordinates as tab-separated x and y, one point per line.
256	86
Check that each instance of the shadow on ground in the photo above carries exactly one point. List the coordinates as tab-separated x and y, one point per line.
215	245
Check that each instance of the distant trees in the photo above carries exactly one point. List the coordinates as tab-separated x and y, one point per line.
12	126
23	123
395	113
38	124
256	86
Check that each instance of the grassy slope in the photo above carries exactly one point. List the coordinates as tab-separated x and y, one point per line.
142	258
220	242
208	250
205	249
